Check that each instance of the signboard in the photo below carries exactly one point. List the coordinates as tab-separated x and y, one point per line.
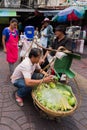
6	13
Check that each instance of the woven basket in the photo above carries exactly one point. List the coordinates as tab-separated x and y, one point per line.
51	112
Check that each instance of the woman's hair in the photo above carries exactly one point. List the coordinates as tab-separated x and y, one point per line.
35	52
14	20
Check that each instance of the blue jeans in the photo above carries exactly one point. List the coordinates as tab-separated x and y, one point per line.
24	90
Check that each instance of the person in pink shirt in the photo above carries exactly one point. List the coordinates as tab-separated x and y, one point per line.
10	43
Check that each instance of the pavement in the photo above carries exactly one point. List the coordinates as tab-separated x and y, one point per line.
13	117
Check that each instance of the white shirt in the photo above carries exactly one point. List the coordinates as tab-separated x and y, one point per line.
43	39
36	40
24	70
25	47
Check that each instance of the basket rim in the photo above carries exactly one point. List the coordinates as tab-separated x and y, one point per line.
51	112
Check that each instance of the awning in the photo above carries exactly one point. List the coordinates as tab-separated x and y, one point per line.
7	13
49	12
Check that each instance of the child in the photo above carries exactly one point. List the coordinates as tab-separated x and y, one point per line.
25	45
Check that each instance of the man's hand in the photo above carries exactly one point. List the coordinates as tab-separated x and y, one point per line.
46	74
61	48
48	79
41	61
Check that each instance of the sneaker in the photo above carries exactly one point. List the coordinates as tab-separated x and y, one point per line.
19	100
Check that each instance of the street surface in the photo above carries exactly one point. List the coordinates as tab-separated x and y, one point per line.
13	117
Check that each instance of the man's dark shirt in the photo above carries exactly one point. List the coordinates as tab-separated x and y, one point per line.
66	42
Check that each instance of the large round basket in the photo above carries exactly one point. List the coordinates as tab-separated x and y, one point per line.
50	112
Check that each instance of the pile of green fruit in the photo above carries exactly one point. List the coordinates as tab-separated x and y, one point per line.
55	96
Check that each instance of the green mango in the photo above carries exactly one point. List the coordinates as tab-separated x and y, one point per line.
43	102
39	95
57	107
55	78
52	85
72	101
66	93
49	105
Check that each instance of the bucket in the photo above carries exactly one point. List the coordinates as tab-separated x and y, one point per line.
29	32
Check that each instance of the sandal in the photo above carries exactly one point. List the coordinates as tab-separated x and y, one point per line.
19	100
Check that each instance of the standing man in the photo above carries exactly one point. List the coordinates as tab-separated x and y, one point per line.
10	43
47	34
24	76
60	41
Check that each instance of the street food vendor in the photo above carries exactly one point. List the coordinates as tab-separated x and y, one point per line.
24	77
60	41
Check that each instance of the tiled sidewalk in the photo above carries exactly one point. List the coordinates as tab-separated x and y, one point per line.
80	66
13	117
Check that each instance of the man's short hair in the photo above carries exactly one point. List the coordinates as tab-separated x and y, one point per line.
35	52
60	28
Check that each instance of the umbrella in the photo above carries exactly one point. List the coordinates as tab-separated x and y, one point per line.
69	14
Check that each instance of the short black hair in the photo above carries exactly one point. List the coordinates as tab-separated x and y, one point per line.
35	52
61	28
14	20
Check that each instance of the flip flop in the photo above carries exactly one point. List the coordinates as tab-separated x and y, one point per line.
19	100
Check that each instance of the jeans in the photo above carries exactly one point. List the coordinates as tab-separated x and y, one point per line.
24	90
